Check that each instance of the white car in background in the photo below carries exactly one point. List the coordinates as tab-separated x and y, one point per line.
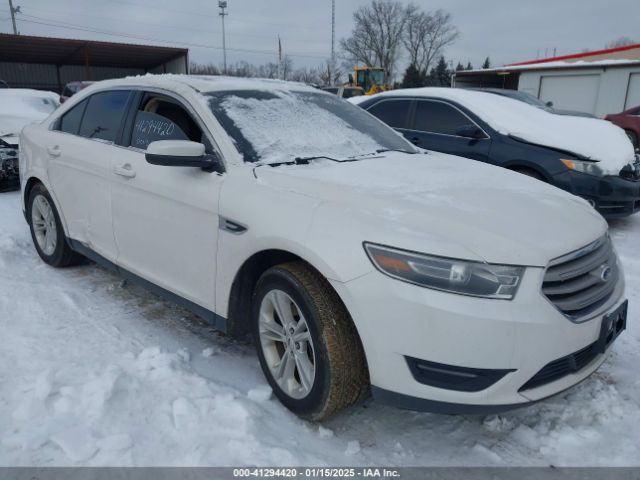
19	107
356	261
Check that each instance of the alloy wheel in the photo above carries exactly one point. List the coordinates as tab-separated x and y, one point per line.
287	344
44	225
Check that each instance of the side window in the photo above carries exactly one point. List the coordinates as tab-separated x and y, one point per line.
70	121
392	112
104	114
438	117
162	118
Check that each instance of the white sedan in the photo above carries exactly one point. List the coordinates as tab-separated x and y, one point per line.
355	261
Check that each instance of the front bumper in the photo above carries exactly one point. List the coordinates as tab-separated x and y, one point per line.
518	338
612	195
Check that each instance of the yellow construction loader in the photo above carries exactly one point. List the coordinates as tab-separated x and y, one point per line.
371	79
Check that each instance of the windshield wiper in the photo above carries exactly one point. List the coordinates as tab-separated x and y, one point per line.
302	161
383	150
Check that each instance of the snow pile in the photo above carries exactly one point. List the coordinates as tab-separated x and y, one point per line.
21	106
591	138
96	372
287	127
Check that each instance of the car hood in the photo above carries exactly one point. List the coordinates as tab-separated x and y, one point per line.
444	205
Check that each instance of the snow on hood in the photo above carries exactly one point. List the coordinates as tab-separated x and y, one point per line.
455	206
590	138
21	106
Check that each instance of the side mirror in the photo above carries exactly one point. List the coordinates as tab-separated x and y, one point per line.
549	104
470	131
182	153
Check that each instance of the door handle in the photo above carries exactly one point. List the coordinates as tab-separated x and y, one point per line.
54	150
124	170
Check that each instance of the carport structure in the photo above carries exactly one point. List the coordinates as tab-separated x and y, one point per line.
49	63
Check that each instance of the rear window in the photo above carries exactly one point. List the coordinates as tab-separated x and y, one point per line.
103	115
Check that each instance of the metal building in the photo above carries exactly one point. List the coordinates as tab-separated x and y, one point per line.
599	82
49	63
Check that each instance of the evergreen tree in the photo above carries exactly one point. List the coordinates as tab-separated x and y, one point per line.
487	63
469	66
459	67
413	78
443	74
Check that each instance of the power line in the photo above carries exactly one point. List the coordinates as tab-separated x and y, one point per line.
70	26
128	20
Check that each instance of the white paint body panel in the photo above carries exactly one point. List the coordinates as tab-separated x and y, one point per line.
163	224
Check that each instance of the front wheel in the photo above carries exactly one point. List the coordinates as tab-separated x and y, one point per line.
46	230
307	344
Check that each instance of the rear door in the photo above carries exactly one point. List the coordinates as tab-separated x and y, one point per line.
434	125
80	152
165	219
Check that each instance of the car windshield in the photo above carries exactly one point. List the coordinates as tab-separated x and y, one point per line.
528	98
280	126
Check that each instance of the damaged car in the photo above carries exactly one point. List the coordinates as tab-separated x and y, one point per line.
19	107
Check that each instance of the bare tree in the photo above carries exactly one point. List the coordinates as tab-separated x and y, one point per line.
286	67
268	70
377	34
325	73
305	75
426	34
620	42
202	69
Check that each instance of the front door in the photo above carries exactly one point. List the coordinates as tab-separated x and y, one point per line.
165	219
436	125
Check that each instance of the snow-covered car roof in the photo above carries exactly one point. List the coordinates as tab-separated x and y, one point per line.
205	83
590	138
21	106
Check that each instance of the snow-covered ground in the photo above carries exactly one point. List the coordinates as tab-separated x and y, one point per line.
94	371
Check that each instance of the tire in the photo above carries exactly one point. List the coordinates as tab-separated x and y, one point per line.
327	339
633	137
46	230
530	173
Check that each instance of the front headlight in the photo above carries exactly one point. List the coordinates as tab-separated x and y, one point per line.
448	274
583	166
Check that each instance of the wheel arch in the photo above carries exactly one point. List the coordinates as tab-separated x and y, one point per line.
519	166
244	283
31	182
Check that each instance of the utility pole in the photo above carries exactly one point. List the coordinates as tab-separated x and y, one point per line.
13	16
222	4
332	71
280	72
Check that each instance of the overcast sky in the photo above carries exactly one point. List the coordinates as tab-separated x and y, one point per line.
507	31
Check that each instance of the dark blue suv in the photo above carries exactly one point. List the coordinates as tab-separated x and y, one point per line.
444	125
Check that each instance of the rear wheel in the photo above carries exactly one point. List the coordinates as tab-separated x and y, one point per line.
46	230
308	347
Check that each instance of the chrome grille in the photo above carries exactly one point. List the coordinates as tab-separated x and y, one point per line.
582	281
